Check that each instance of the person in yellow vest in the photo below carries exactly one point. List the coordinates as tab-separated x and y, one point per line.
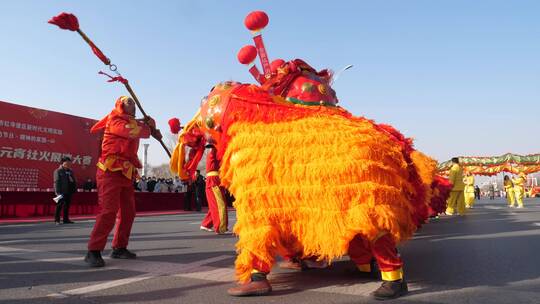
509	188
519	188
456	199
468	180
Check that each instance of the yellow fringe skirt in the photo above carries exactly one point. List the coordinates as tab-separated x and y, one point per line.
310	185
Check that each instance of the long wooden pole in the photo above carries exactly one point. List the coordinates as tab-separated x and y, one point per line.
128	87
132	93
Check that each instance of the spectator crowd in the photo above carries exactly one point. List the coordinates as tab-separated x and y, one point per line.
154	184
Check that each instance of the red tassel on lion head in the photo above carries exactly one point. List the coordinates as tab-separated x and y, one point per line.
174	125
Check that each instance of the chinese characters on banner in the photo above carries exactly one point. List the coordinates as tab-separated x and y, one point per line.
33	141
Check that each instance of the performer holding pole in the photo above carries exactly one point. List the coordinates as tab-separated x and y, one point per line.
118	163
117	168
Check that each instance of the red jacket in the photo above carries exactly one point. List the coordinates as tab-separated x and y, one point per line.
120	141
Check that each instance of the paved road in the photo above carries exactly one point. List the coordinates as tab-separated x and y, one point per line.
490	256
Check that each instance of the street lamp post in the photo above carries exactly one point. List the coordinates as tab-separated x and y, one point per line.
145	160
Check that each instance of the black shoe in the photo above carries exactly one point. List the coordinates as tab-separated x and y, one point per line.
122	253
94	259
69	222
391	290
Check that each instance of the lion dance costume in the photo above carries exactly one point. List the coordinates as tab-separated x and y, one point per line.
309	178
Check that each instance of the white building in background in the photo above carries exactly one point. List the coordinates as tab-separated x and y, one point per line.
532	181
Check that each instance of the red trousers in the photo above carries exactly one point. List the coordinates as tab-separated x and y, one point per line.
116	198
217	216
383	249
361	252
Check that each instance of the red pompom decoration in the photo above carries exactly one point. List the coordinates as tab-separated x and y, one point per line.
174	125
65	21
247	54
276	64
256	21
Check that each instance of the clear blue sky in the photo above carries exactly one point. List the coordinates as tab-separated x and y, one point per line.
461	77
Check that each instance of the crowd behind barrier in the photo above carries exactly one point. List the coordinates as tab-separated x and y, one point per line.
38	203
151	194
155	184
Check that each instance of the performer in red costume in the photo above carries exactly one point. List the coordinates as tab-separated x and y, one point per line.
117	167
217	217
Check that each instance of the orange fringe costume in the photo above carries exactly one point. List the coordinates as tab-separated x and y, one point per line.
310	179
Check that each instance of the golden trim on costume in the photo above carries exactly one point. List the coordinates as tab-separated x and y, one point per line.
113	164
222	208
392	275
135	128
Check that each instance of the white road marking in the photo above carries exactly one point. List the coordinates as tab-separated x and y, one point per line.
57	295
13	241
53	260
210	274
151	269
493	207
107	285
31	256
13	249
142	238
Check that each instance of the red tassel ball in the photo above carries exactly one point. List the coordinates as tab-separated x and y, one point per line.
256	21
247	54
174	125
65	21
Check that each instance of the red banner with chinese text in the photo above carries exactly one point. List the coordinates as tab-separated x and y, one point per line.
32	142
